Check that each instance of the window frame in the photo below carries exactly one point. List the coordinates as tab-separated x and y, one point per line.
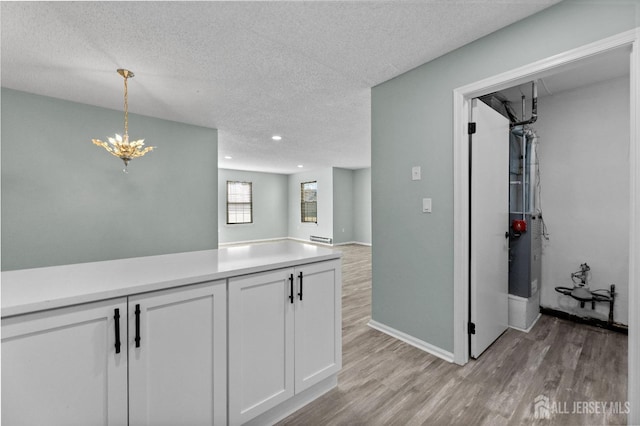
304	204
249	203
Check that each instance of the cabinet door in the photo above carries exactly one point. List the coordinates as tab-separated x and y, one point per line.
260	343
60	367
318	323
177	367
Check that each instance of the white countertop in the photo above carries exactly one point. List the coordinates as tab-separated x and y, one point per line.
31	290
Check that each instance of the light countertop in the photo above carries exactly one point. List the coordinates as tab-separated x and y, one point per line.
31	290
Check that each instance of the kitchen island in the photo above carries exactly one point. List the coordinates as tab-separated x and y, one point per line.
238	335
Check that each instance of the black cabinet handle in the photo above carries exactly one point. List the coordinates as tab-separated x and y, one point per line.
137	326
300	294
291	288
116	317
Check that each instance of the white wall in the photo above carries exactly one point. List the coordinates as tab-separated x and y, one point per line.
270	212
584	149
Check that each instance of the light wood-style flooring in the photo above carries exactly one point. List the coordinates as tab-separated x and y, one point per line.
387	382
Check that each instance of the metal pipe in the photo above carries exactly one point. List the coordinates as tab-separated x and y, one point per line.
523	155
534	107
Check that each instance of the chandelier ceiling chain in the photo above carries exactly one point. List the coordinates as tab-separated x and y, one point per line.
126	74
120	145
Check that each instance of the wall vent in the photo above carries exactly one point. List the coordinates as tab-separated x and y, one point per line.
325	240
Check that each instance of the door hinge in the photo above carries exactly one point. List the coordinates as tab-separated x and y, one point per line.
471	128
471	328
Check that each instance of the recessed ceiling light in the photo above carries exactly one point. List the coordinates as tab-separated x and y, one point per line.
276	137
300	166
228	157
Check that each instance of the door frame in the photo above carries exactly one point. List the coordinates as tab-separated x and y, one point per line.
462	97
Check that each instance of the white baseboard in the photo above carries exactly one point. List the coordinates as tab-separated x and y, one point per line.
266	240
353	242
420	344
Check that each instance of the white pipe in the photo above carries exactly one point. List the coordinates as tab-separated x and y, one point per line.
533	172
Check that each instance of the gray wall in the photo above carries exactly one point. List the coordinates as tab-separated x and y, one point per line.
344	201
362	206
65	200
324	227
412	125
584	174
270	207
343	212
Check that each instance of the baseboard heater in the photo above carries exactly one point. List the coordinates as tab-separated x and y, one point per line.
325	240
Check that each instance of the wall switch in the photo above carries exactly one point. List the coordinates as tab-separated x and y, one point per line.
416	173
426	205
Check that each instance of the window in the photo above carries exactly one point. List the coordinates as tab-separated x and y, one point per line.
239	202
309	201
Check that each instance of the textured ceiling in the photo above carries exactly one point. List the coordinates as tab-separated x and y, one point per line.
302	70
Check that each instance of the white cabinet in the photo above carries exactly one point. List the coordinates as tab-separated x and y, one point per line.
61	367
284	335
212	337
318	323
177	356
260	343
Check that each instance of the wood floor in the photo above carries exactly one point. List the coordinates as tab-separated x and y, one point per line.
387	382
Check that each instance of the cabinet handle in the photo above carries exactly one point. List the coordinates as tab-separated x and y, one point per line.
116	317
300	294
291	288
137	339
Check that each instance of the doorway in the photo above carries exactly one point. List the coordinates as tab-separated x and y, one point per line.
462	99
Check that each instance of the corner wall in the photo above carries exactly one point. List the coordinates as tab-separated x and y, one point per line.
65	200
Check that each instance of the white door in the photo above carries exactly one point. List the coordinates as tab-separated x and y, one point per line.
489	269
62	367
261	347
318	323
177	367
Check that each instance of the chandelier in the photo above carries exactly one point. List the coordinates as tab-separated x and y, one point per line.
120	145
